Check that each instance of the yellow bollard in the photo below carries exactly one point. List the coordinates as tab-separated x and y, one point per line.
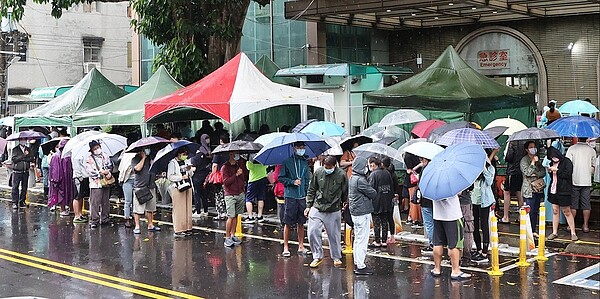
347	241
27	198
495	258
523	240
238	227
542	240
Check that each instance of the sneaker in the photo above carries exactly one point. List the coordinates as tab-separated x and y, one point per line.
337	262
427	250
229	242
248	220
189	233
94	225
79	220
315	263
478	258
417	224
23	204
236	240
179	235
137	231
64	213
196	215
363	271
260	219
53	208
15	207
466	262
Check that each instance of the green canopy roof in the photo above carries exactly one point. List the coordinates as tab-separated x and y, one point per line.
450	84
266	66
129	110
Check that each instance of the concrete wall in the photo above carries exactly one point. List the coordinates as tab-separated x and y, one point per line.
55	52
570	73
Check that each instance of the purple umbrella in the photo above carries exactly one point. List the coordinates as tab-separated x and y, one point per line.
146	142
467	135
25	135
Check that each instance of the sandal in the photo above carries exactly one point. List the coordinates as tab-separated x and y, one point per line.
460	276
434	274
286	254
574	238
586	230
552	236
128	224
154	229
304	251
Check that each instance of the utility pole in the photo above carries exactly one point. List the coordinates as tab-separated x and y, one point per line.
3	79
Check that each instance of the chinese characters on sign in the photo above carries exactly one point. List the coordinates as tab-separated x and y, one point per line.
493	59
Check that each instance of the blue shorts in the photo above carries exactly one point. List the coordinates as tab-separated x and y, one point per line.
294	211
256	190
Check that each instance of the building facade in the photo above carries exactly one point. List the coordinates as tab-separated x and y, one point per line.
61	51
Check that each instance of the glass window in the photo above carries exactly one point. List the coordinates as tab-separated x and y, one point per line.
348	44
148	52
91	49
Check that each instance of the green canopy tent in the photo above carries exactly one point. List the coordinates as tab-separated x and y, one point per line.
129	110
92	91
451	90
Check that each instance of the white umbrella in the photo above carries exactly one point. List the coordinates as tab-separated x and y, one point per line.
402	149
401	116
426	150
267	138
110	143
513	125
75	140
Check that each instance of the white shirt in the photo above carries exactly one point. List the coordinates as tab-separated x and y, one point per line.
447	209
584	160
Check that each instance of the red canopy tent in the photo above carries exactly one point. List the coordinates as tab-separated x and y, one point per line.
235	90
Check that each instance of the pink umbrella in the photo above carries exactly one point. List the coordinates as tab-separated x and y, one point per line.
424	128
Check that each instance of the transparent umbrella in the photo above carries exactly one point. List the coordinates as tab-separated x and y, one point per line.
369	149
401	116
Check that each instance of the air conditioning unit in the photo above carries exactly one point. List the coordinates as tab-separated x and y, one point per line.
89	66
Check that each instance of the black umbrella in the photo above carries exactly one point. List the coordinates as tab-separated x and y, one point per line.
153	142
169	152
495	132
246	137
348	142
239	146
51	144
437	133
302	125
533	134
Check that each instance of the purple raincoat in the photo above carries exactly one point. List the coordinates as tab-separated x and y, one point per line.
61	181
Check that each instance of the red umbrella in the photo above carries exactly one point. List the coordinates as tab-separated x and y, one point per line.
424	128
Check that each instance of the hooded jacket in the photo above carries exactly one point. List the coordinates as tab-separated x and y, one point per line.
293	168
326	192
360	194
564	174
381	180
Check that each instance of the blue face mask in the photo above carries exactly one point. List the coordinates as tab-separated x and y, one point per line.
236	157
329	171
300	152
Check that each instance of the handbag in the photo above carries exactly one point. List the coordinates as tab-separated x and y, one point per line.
104	182
183	185
215	178
538	185
414	178
143	195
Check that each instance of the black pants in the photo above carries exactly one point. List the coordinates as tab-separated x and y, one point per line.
21	178
481	216
200	193
380	226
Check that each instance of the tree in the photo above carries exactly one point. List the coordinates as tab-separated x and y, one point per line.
196	36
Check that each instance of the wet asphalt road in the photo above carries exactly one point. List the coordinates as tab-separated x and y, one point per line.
111	262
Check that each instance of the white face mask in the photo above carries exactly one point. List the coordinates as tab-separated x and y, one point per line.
22	142
147	151
532	151
98	151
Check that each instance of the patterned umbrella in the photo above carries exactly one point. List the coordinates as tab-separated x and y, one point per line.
25	135
437	133
240	146
146	142
465	135
533	134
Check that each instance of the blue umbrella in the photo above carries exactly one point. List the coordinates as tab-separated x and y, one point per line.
169	152
577	107
324	128
281	148
576	126
452	171
467	135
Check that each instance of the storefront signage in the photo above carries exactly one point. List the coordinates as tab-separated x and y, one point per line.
493	59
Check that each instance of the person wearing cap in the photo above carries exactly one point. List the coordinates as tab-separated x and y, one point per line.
552	114
61	180
22	156
295	177
98	166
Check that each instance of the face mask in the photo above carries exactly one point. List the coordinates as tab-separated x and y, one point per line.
532	151
329	171
236	157
592	144
23	143
555	159
207	141
300	152
98	151
147	151
183	157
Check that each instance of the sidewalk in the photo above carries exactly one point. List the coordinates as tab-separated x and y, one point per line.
588	244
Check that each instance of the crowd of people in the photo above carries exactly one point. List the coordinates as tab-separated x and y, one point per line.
322	194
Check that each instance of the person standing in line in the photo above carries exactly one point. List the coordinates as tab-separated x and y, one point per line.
126	179
201	161
426	205
360	198
466	207
179	171
218	161
142	178
347	159
61	180
482	199
410	188
381	180
584	161
560	190
234	184
295	176
396	189
81	184
326	192
532	169
448	231
21	158
514	177
257	186
98	166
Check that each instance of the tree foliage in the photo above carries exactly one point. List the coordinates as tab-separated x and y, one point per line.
196	36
